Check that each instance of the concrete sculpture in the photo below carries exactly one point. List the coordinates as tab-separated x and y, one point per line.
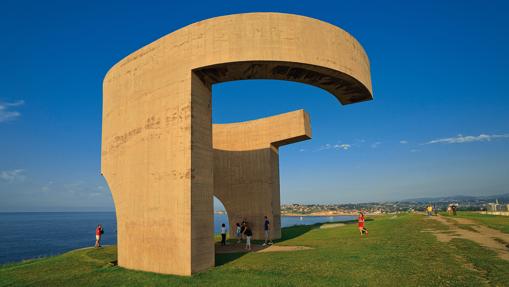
246	167
157	154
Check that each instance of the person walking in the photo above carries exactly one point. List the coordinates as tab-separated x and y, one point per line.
429	209
266	230
249	235
362	229
238	232
99	231
223	234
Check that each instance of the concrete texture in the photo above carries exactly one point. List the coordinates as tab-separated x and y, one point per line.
157	154
246	167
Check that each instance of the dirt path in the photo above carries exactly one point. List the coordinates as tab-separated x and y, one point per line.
490	238
239	248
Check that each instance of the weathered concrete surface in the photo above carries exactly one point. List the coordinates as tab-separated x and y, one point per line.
246	167
157	154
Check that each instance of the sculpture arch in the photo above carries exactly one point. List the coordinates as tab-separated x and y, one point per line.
246	167
157	154
228	222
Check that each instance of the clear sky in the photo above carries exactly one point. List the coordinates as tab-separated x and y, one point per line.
438	124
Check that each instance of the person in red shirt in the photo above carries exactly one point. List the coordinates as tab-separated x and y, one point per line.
362	229
98	233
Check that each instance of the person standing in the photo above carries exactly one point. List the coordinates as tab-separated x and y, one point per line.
238	232
242	228
223	234
362	229
98	234
429	209
266	230
249	235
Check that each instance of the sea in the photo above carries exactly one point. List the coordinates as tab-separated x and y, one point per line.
28	235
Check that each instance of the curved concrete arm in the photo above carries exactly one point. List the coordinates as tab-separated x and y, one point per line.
261	133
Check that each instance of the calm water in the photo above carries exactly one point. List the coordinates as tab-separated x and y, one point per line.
34	234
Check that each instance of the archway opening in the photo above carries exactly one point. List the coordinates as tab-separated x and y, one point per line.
220	217
254	99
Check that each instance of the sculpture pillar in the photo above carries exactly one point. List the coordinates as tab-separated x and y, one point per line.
246	167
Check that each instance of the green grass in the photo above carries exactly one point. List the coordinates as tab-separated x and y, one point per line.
397	253
494	221
483	262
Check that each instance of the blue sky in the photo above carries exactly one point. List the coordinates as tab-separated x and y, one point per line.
438	124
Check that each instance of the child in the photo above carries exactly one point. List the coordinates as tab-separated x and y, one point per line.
362	229
242	228
223	234
249	234
238	232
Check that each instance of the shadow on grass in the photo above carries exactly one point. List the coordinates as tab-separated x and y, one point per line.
223	258
295	231
287	233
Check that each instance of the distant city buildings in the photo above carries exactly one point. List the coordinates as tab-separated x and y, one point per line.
462	204
496	206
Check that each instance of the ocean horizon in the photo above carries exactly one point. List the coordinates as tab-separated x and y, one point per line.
29	235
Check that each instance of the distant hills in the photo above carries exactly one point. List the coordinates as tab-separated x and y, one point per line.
491	198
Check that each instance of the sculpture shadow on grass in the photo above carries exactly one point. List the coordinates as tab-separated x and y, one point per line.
223	258
287	233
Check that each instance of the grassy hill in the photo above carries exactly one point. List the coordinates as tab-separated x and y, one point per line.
397	253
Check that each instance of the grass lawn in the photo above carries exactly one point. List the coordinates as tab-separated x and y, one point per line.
397	253
494	221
